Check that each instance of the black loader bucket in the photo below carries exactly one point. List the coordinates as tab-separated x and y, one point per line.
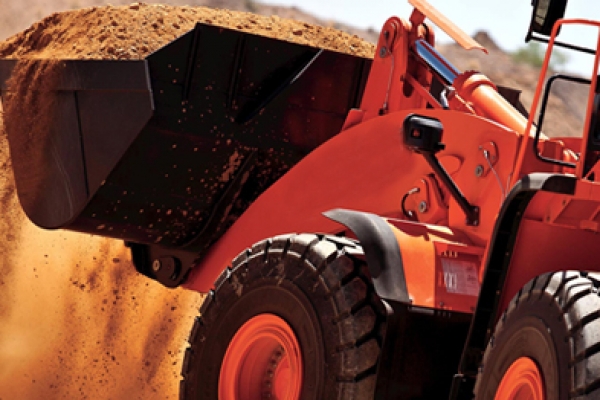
173	148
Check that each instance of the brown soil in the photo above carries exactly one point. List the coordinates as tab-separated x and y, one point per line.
76	320
134	31
33	126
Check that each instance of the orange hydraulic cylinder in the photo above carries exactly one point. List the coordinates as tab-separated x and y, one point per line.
479	92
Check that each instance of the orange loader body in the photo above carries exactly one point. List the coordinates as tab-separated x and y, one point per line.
480	120
488	150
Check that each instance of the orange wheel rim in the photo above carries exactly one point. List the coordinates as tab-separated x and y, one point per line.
522	381
263	361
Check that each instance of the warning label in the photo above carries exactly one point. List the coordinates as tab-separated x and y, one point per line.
460	277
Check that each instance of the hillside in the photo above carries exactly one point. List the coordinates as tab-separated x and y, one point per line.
567	105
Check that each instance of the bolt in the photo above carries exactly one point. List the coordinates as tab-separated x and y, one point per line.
156	265
478	171
422	206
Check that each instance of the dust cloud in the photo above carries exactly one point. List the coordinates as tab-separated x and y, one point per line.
76	320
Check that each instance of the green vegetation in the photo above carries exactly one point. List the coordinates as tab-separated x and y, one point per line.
533	54
250	6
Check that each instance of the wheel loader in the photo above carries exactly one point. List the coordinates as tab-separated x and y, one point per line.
386	228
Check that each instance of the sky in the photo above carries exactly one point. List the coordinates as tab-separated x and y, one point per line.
506	21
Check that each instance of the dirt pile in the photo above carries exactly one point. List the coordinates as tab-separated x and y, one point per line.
16	16
134	31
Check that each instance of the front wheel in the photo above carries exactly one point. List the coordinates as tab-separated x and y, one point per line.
546	346
295	317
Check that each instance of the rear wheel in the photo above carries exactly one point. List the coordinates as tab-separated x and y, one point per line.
522	380
546	346
294	318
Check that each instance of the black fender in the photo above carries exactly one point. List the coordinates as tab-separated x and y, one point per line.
415	362
381	250
496	265
384	261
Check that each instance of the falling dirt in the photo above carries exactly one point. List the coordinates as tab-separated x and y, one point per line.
76	320
35	123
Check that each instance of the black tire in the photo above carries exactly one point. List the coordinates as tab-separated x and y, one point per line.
319	285
554	320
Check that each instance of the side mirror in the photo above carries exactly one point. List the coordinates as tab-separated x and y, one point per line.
544	16
422	134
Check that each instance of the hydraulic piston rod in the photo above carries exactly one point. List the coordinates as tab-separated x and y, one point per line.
437	62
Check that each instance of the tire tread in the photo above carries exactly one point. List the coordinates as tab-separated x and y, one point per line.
576	296
339	267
